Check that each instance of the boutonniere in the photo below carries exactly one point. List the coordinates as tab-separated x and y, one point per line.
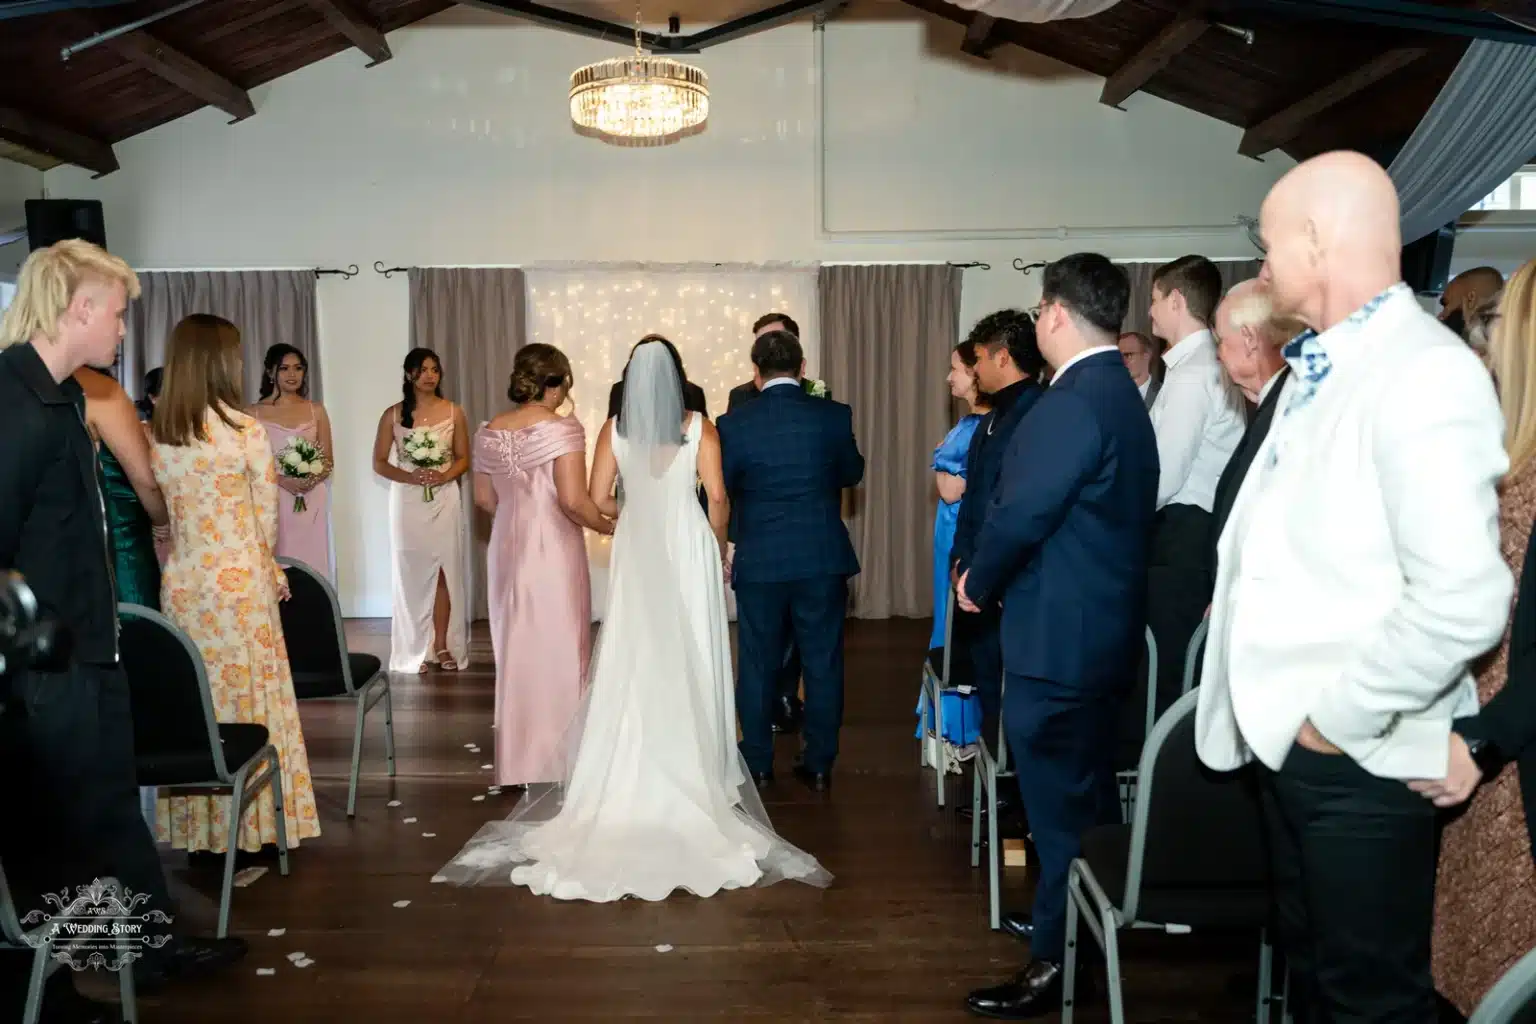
815	387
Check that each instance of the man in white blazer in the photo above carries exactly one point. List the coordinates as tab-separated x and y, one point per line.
1358	572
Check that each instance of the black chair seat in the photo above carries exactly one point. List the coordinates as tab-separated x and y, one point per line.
1107	849
313	685
168	768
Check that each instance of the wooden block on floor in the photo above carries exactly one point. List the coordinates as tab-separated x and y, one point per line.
1015	855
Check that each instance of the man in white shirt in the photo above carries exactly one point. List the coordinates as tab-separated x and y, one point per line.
1199	418
1358	574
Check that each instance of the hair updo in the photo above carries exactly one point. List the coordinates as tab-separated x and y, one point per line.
536	369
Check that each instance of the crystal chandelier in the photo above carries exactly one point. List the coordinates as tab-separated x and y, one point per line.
642	99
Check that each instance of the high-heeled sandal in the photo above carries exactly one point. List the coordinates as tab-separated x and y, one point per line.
446	663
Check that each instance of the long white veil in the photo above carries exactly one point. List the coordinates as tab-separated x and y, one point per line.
650	792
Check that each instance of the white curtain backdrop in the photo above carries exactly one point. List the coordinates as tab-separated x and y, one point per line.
595	313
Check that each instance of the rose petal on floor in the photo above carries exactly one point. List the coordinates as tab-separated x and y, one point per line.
486	767
477	798
429	835
294	958
401	904
393	803
664	948
246	876
439	879
275	932
303	963
266	971
409	821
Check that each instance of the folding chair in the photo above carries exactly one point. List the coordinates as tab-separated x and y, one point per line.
930	701
1192	858
323	668
44	940
1512	1000
179	744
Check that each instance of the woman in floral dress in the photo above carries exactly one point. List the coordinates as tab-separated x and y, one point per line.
222	582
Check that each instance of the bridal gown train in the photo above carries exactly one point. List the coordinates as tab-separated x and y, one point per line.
656	797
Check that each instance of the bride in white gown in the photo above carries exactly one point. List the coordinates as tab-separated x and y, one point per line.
655	795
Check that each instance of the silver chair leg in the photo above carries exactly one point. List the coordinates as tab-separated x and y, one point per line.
279	810
977	781
1266	979
357	753
994	851
34	1006
126	995
1069	965
389	725
1112	962
938	743
234	815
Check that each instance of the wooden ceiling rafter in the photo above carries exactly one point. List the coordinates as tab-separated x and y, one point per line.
29	131
160	58
359	30
1154	55
1284	125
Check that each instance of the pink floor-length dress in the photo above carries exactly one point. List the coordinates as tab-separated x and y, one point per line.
540	598
304	536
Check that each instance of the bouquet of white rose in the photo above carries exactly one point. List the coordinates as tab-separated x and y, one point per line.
815	387
423	449
301	459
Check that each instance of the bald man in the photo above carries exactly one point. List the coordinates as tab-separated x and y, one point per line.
1358	573
1468	290
1249	339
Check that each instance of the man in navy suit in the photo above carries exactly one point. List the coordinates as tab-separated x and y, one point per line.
1008	366
1064	549
787	458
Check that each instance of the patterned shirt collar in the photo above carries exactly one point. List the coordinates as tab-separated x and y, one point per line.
1314	341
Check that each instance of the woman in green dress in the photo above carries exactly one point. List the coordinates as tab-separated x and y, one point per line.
133	501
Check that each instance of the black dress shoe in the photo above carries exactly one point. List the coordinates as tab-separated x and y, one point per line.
184	959
818	781
1018	924
787	713
762	779
1034	993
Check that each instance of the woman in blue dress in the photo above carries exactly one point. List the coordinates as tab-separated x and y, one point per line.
949	475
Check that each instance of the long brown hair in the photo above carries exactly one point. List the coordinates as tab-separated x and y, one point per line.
1512	353
202	373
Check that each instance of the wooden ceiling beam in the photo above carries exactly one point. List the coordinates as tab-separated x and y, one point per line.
188	75
981	36
1284	125
358	29
1153	56
63	144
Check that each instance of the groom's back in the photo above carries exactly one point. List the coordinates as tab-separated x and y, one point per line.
787	457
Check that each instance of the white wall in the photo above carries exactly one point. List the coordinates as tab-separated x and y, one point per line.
459	151
18	183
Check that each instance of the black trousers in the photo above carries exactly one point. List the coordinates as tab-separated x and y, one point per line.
1180	578
978	661
69	800
1352	858
812	612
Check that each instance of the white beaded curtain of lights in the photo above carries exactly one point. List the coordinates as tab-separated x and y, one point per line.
596	313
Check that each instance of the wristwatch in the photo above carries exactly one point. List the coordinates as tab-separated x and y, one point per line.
1485	755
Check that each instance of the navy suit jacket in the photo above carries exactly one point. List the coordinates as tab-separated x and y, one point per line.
787	458
1065	542
983	465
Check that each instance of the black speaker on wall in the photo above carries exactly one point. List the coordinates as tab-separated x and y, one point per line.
54	220
1427	261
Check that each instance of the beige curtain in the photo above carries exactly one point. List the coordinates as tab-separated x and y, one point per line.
475	320
268	306
886	335
1136	318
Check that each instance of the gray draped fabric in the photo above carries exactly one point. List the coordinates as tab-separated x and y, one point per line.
268	306
475	320
1480	130
887	332
1136	318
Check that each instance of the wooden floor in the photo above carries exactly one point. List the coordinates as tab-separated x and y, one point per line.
900	936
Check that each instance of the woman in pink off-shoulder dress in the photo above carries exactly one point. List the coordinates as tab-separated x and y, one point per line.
530	473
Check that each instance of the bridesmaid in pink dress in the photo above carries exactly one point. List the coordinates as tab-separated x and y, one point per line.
286	412
530	474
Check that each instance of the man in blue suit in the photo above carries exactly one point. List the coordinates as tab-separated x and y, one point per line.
1064	549
787	458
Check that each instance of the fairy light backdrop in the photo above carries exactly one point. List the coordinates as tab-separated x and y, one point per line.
595	314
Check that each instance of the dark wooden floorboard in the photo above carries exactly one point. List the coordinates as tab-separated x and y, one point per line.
900	936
